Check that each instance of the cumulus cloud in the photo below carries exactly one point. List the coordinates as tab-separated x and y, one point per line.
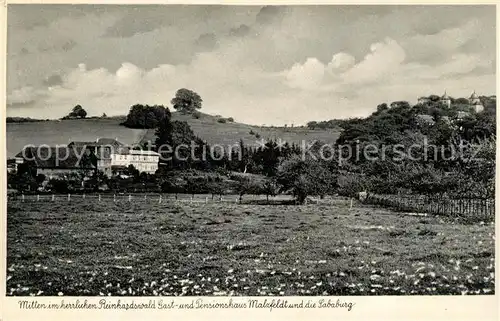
340	62
251	94
291	64
383	59
21	96
308	75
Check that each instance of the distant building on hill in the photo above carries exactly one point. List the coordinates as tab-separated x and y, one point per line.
105	154
475	102
446	100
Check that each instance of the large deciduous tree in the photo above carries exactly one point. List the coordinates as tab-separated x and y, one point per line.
145	116
304	177
186	101
77	112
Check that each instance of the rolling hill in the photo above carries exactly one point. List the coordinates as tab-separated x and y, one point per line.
207	127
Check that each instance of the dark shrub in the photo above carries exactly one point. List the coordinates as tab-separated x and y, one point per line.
58	185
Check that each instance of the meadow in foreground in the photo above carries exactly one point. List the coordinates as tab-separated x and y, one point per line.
144	248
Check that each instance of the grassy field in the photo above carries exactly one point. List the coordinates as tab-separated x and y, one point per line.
207	127
62	132
177	248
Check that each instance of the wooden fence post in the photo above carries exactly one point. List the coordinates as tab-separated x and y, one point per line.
37	197
69	197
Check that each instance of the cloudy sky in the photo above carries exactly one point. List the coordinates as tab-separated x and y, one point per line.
260	65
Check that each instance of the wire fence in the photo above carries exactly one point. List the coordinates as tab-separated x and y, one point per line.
186	198
472	208
475	208
132	197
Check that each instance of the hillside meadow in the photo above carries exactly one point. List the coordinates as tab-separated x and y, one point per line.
62	132
173	248
207	127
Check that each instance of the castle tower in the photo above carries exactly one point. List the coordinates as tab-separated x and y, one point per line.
445	99
475	102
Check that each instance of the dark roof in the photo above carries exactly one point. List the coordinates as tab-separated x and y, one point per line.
107	145
109	141
57	157
83	144
98	142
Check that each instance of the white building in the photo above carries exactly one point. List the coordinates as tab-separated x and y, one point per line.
143	160
446	100
475	102
112	154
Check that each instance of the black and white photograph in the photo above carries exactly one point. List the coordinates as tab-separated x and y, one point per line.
205	151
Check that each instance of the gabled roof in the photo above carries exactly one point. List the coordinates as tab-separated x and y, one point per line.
83	144
109	141
111	146
57	157
97	142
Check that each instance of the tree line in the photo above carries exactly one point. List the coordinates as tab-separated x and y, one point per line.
285	168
